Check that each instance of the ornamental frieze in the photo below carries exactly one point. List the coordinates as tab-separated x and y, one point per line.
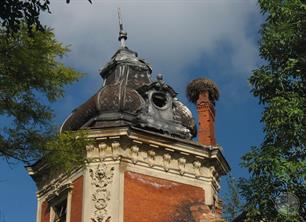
101	177
179	163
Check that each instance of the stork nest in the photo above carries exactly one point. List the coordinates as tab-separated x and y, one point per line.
195	87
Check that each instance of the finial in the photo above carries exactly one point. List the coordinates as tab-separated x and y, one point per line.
159	77
122	34
160	80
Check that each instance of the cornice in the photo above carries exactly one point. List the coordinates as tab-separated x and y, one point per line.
156	158
165	142
145	149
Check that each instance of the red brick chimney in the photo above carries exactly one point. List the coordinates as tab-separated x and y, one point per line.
206	116
203	92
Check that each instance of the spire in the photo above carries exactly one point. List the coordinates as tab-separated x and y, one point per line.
122	34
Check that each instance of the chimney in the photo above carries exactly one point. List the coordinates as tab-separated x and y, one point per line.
206	116
203	93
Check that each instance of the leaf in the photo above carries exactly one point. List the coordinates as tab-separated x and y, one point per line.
278	164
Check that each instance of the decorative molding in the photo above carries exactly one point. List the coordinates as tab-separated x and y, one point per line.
57	188
181	165
134	153
54	183
166	161
115	149
102	147
159	142
90	148
101	178
174	162
196	167
151	157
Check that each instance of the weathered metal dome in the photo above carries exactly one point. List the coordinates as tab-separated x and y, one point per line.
129	97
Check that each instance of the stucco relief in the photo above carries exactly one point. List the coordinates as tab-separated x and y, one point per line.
101	179
54	187
182	162
153	158
166	161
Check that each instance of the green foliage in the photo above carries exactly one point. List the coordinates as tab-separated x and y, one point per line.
67	150
278	165
232	203
30	77
13	13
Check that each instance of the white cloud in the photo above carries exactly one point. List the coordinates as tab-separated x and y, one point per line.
166	31
171	35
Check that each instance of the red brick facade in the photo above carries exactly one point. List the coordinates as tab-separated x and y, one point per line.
206	115
45	212
77	200
76	203
148	199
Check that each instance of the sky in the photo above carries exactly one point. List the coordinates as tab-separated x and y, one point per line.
183	40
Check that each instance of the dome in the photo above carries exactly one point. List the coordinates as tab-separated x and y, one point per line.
110	98
129	97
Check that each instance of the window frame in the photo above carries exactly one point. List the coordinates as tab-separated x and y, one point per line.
64	195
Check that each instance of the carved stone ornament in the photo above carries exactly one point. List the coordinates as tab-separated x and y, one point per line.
196	167
56	189
134	153
102	147
181	164
151	157
166	161
115	150
101	180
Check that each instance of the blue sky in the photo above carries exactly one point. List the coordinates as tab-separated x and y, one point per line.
182	40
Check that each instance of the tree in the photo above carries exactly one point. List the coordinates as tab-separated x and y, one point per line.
232	202
277	166
14	13
30	77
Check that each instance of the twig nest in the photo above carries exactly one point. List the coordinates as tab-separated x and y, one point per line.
197	86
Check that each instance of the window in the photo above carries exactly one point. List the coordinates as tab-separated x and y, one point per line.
60	211
59	201
160	99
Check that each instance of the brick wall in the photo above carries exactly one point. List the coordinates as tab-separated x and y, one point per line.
206	116
148	199
45	212
77	200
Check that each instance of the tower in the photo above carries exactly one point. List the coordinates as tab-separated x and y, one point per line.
144	165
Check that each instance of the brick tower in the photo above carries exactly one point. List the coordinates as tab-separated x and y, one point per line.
144	165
